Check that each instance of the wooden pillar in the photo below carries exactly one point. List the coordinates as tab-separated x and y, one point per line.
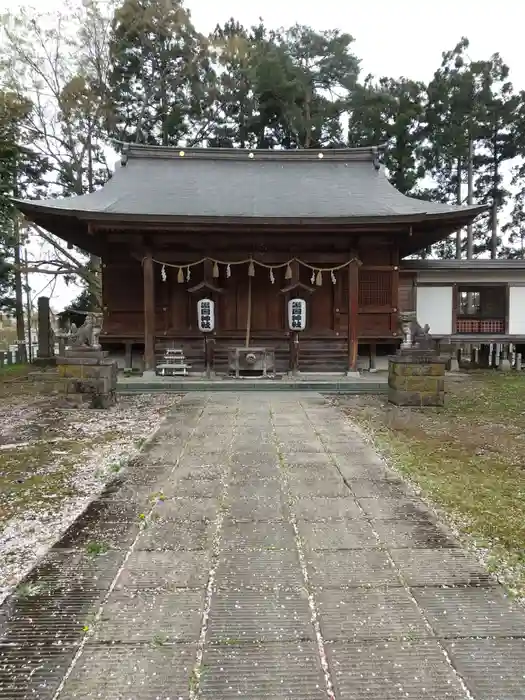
128	361
373	357
294	353
353	312
149	313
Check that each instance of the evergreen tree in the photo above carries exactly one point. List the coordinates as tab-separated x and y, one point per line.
499	145
161	78
391	113
13	111
323	74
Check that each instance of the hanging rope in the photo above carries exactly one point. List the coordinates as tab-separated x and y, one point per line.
316	276
249	312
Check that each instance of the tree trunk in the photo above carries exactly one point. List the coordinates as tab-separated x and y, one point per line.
458	200
94	260
494	212
470	198
19	298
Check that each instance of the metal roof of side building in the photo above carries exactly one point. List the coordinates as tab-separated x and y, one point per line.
234	184
454	264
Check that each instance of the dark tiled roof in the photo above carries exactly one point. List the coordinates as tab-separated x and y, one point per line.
231	183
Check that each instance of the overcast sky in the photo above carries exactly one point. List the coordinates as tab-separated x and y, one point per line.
392	37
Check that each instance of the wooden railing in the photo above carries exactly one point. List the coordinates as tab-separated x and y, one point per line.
480	325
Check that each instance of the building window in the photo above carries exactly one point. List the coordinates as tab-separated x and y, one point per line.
481	309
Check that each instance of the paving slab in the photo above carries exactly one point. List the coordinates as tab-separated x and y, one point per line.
176	535
327	487
259	616
165	570
201	471
392	670
67	569
258	535
397	534
110	511
348	568
266	488
259	569
151	616
337	534
309	461
252	509
53	619
366	488
216	573
263	672
32	671
187	509
493	669
360	614
114	535
322	508
126	671
193	488
471	612
291	445
400	508
439	567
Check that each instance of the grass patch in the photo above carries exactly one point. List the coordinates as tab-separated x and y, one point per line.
468	458
97	548
35	477
14	371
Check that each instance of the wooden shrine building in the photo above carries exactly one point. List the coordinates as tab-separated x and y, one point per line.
250	230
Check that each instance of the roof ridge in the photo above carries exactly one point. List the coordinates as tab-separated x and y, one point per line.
362	153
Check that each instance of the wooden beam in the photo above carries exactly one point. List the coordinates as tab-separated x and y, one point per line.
394	296
353	313
149	312
455	307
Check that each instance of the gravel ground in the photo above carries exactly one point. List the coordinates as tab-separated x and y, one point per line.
53	462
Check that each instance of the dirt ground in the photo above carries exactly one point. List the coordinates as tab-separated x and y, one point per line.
53	461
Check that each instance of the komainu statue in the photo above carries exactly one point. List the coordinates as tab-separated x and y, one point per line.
88	333
414	335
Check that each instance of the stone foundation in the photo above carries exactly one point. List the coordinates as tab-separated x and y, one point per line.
416	379
84	377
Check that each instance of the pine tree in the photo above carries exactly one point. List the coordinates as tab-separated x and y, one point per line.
391	113
323	71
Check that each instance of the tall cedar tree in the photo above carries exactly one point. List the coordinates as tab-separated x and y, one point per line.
162	82
499	146
452	121
21	172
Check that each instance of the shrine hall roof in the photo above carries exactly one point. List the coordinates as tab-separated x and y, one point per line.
175	183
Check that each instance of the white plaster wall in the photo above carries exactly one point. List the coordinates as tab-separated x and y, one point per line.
466	276
434	306
517	311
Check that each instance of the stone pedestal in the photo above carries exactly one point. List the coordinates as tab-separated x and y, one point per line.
416	378
84	377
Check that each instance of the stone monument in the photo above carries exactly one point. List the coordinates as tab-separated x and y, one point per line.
46	337
416	374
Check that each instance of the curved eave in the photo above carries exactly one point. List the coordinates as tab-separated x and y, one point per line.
34	210
66	225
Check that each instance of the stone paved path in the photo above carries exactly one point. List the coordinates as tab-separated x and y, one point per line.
277	559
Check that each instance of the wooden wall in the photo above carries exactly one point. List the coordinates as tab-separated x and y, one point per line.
328	304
